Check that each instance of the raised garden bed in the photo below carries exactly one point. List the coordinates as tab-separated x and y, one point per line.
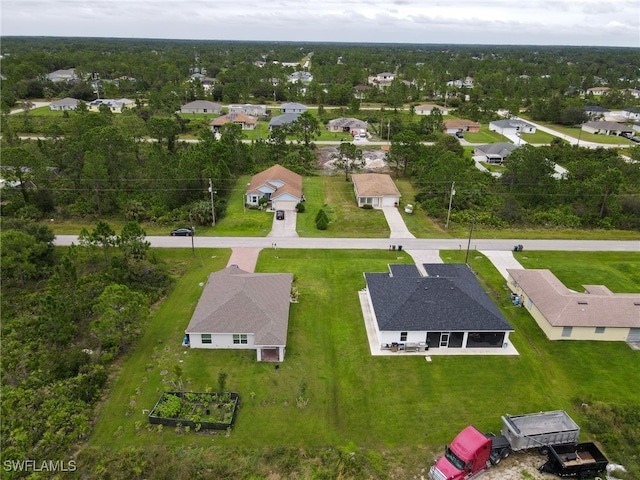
206	411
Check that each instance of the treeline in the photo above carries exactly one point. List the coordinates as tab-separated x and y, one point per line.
600	188
157	72
66	317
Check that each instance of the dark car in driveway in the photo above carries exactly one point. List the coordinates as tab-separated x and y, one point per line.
182	232
279	214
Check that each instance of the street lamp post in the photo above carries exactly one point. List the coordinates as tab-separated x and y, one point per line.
453	192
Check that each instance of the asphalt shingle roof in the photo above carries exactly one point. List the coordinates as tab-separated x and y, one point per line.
449	298
235	301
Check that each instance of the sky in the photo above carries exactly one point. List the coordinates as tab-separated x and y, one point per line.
503	22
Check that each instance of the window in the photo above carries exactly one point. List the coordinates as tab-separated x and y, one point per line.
403	336
566	331
239	338
206	338
599	329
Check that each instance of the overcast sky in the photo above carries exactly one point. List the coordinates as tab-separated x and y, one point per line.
517	22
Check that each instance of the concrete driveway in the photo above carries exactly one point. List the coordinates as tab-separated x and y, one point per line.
284	228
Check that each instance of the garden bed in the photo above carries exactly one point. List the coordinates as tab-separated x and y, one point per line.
206	411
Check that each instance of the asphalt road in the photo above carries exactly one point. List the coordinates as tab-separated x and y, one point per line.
383	243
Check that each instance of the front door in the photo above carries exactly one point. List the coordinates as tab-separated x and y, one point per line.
444	340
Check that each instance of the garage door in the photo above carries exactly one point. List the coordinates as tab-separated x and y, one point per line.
634	335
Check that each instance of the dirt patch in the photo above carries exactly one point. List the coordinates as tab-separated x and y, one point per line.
374	160
519	466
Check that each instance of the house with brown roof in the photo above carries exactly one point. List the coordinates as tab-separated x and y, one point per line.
460	125
375	189
281	187
243	310
563	314
245	121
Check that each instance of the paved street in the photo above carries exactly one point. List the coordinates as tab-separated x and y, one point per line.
384	243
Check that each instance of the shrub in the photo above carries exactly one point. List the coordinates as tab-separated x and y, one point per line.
300	207
367	206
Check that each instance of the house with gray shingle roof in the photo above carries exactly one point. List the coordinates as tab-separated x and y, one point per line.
64	104
353	126
243	310
511	126
607	128
447	309
494	152
293	107
564	314
201	106
282	120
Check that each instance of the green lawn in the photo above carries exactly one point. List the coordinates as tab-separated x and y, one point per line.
485	136
381	403
538	138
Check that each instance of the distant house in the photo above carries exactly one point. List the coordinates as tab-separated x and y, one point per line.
607	128
293	107
65	104
598	91
242	310
284	119
563	314
63	75
115	105
375	189
352	126
631	113
427	108
511	127
596	111
245	121
300	77
494	152
383	79
281	187
248	109
447	309
467	82
201	106
360	91
460	125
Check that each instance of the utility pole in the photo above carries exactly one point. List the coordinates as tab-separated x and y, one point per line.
466	258
213	209
453	192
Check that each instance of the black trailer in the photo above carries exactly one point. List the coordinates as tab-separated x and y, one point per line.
584	460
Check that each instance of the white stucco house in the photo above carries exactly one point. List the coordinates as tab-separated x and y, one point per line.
201	106
447	309
564	314
64	104
427	109
281	187
511	127
293	107
248	109
242	310
375	189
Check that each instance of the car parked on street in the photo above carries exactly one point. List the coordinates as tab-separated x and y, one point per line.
279	214
182	232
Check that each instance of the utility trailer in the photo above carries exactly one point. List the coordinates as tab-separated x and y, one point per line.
584	460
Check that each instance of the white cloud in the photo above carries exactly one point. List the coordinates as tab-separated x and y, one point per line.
570	22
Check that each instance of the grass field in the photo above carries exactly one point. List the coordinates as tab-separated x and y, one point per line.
383	403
